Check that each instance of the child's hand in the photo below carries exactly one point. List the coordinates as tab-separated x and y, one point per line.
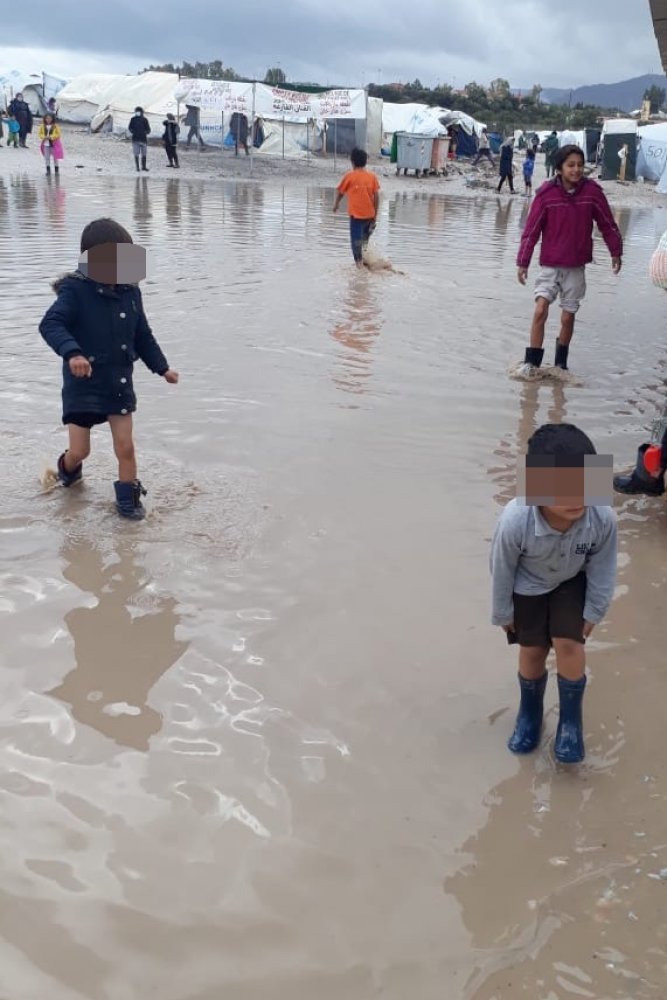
80	367
170	376
588	628
616	263
522	275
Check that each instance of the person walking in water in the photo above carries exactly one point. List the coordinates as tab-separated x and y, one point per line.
550	147
506	167
563	214
362	189
51	143
483	148
553	566
528	170
139	129
170	139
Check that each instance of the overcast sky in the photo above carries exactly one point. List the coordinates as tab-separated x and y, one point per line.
349	42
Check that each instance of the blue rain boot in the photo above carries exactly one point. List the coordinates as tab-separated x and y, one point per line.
640	480
528	725
69	478
569	747
128	500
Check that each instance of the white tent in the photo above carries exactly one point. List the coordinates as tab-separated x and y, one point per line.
154	92
422	119
652	154
29	84
80	99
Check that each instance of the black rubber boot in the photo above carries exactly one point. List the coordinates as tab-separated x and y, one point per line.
562	351
143	163
69	478
528	725
48	171
639	481
569	746
128	500
136	162
534	356
56	168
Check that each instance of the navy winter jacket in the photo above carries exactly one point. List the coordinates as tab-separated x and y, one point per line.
107	325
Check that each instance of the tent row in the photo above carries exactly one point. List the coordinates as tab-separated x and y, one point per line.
37	89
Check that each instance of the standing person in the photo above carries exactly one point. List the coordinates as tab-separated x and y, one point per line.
192	120
506	168
563	214
238	126
362	189
170	139
553	567
550	147
483	148
21	111
139	129
98	327
51	144
528	168
13	130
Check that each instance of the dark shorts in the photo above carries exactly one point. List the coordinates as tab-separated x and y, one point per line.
557	615
84	419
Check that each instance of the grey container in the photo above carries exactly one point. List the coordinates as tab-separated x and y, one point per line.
414	152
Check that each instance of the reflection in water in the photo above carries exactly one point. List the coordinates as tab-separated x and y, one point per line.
142	207
357	333
54	197
173	201
122	645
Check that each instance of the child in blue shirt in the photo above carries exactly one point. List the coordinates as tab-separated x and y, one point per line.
528	168
553	564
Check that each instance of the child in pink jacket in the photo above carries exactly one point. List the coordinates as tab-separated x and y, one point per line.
563	214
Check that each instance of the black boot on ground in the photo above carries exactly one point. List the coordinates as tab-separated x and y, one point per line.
69	478
48	171
136	162
569	746
531	362
128	500
143	163
562	351
640	481
528	725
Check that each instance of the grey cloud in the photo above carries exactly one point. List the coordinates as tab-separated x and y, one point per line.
555	43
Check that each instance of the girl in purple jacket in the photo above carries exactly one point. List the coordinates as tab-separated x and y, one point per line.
563	214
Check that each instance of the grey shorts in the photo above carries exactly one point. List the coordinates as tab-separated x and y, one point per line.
567	282
139	148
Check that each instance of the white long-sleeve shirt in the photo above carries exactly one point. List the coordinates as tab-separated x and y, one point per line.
530	557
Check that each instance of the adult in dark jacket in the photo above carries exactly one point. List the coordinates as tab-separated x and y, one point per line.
23	115
139	129
170	138
238	126
550	146
506	156
98	327
192	120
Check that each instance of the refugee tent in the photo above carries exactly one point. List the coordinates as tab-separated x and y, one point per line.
32	86
424	120
154	92
81	98
652	153
587	139
619	137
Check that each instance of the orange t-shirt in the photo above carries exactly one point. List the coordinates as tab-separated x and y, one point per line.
360	186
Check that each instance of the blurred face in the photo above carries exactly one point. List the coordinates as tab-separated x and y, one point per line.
572	170
114	263
560	492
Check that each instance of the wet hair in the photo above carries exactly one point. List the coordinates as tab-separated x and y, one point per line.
563	153
359	157
103	231
560	445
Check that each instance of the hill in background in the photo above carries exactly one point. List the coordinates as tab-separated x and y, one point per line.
626	95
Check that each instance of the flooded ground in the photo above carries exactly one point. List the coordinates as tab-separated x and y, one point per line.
255	746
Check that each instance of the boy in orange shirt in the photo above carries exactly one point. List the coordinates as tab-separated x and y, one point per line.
363	201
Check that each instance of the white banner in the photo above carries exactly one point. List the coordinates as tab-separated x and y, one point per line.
270	102
651	159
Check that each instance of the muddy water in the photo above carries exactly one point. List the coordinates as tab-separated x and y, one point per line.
254	747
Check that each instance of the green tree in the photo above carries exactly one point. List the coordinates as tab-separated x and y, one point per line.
476	93
275	77
656	95
500	89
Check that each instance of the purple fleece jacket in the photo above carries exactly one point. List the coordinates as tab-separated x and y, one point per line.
565	223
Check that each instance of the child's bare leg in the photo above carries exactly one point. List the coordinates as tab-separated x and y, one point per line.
532	662
570	659
123	446
79	447
566	327
539	322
